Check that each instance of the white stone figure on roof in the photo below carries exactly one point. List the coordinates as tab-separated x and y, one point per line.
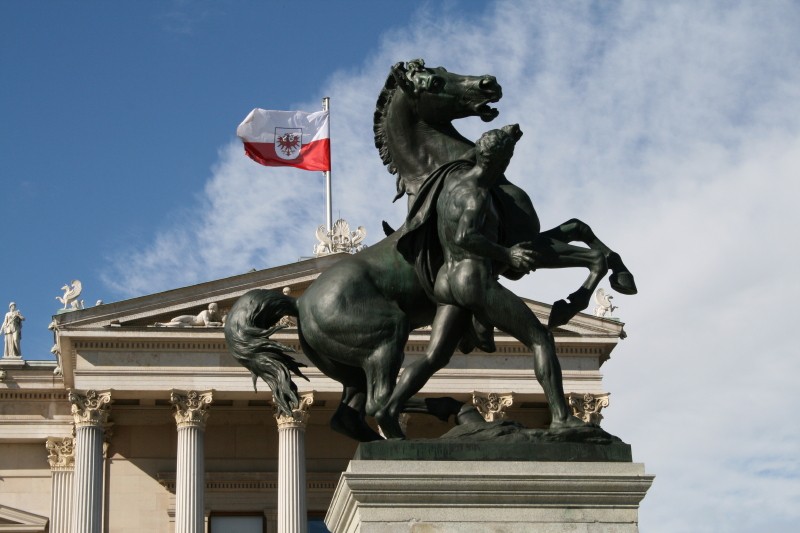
339	239
12	329
209	318
604	305
71	293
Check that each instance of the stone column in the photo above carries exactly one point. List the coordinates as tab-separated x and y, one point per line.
191	413
292	514
62	467
90	412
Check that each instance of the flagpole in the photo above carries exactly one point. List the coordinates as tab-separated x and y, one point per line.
326	101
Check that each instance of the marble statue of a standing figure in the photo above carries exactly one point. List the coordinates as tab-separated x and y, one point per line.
12	329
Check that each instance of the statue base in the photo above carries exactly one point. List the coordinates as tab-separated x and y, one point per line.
12	361
503	440
479	487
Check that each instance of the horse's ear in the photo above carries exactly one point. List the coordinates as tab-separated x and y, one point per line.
398	72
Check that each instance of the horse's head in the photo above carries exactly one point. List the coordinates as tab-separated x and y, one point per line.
414	96
443	96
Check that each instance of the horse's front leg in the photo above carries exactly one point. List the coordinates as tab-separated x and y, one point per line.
553	253
575	230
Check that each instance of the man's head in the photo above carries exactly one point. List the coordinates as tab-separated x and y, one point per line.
12	306
213	307
497	146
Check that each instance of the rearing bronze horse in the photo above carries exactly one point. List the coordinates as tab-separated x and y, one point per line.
354	320
414	135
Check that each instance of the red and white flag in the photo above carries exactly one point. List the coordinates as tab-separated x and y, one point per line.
287	138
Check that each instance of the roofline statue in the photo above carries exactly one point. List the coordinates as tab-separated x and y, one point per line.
354	320
207	318
71	293
12	330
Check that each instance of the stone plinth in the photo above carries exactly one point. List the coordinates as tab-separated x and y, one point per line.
381	496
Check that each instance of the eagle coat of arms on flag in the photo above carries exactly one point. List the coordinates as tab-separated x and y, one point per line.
288	142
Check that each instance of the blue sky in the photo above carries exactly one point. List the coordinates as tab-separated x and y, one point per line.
673	128
113	115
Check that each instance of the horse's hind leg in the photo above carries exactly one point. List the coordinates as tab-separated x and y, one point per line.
444	408
553	253
382	368
575	230
349	416
348	419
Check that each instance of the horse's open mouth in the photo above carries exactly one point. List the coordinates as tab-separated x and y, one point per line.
486	112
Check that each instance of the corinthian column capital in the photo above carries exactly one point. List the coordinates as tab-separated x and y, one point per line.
91	408
191	408
299	416
587	406
61	453
492	405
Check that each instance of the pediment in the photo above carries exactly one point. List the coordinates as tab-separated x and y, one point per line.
18	521
144	311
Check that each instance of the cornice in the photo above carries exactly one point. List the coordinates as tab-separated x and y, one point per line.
196	295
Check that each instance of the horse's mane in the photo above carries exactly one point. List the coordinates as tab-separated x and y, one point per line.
379	121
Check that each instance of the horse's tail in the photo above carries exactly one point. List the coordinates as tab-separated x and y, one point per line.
249	324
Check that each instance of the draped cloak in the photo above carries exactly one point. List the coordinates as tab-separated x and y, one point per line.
419	243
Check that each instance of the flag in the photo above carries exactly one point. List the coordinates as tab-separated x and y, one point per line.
287	138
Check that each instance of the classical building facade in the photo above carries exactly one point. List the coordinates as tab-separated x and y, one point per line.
143	427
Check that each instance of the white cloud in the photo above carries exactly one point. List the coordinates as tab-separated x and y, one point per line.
672	128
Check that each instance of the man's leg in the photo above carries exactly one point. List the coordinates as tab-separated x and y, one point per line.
509	313
448	325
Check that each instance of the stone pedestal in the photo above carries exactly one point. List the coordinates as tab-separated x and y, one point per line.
11	362
191	413
292	513
381	496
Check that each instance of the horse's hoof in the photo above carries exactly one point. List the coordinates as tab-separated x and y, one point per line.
621	279
623	283
443	408
469	414
560	314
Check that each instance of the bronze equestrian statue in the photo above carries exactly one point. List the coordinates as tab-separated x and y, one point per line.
355	319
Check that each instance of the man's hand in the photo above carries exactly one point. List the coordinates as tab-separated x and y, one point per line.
522	257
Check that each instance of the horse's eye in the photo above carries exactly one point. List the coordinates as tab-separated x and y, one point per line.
437	84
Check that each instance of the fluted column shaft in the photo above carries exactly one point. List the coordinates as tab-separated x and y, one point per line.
292	510
191	413
90	412
62	468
